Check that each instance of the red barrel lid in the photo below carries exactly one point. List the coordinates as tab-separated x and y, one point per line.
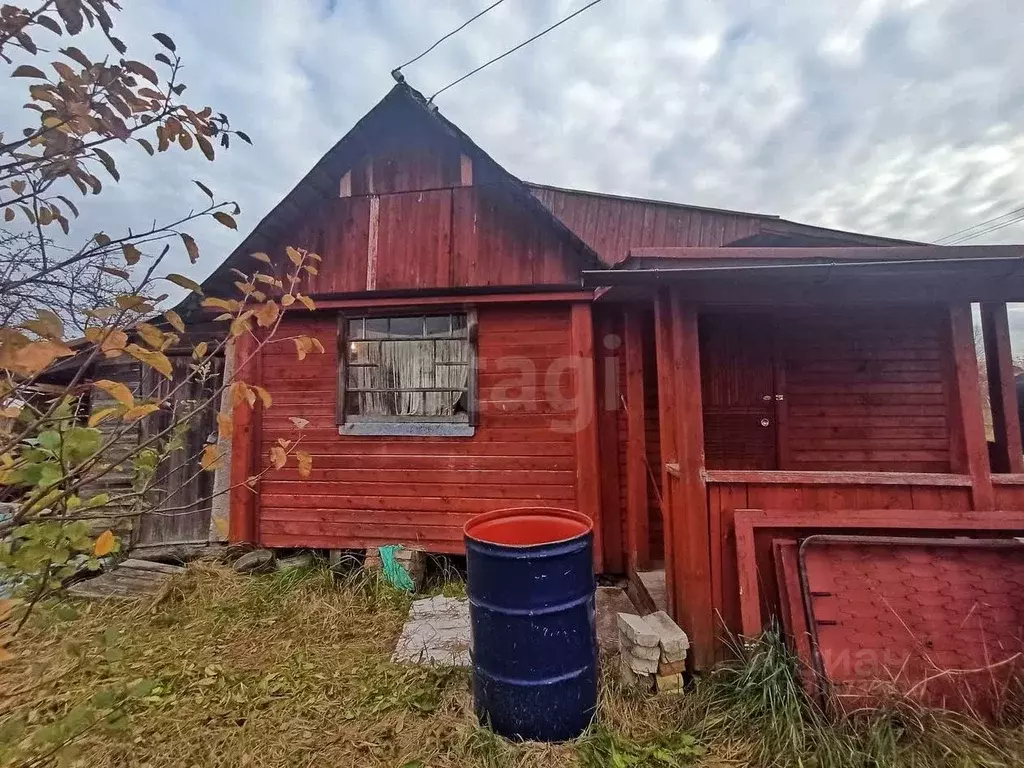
528	526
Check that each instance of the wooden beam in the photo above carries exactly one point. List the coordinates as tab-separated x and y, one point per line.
691	532
814	477
664	365
827	254
371	244
588	466
242	525
466	170
609	350
638	545
454	302
1002	388
966	411
345	186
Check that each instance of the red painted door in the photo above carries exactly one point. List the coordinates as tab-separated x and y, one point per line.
738	391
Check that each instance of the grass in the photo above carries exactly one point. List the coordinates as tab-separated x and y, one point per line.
293	669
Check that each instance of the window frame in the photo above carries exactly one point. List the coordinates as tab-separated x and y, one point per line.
460	425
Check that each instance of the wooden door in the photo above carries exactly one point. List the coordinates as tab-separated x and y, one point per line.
179	506
737	354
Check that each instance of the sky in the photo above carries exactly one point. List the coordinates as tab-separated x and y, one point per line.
902	118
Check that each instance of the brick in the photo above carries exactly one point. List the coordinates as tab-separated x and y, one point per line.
640	651
671	638
631	679
672	658
636	630
668	683
666	668
638	665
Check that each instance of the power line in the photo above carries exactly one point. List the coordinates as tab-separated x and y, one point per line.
994	228
510	51
395	73
953	235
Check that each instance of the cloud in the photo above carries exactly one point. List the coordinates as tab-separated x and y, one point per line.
896	117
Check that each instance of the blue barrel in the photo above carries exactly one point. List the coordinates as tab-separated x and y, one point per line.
531	607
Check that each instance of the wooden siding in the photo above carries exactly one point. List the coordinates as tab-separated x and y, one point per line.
442	238
612	225
366	491
866	390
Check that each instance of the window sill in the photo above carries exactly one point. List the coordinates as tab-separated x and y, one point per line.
407	429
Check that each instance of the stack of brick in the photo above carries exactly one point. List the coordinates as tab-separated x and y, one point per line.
652	652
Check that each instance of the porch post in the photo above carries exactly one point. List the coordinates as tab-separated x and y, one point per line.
588	463
638	545
688	537
665	369
1002	388
969	425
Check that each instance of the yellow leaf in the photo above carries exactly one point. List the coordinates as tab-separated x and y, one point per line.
261	257
317	345
116	390
314	256
225	425
200	351
210	459
266	314
156	360
139	411
240	393
225	219
278	457
240	324
175	320
287	300
301	346
222	525
307	302
228	305
265	397
47	324
293	255
151	335
305	463
131	254
185	282
38	355
298	422
104	544
102	413
129	301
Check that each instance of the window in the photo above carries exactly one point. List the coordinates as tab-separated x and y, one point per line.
407	375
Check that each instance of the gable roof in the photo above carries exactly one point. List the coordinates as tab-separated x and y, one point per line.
405	104
601	227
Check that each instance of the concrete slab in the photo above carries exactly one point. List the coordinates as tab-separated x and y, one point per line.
436	632
611	601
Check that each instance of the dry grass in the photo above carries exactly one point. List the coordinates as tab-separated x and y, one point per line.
292	670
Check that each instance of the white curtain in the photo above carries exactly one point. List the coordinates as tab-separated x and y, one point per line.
411	364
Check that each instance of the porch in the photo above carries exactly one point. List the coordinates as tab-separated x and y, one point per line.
850	403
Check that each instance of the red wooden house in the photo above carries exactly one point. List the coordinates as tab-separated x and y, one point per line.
492	343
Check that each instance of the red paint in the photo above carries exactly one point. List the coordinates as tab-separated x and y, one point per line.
528	526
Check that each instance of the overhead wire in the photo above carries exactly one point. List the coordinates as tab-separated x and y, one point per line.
395	72
510	51
994	228
953	236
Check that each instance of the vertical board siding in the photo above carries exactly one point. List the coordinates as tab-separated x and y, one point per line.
367	491
867	390
465	237
611	226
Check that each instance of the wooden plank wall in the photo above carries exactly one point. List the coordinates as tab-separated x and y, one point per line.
830	500
422	216
867	390
366	491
